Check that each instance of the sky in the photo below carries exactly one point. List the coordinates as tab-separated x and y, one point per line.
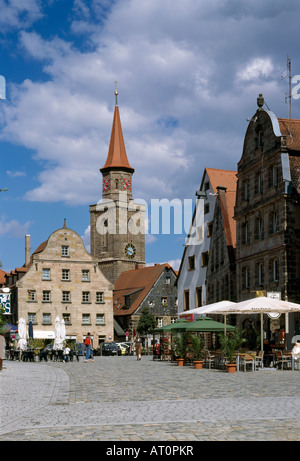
188	72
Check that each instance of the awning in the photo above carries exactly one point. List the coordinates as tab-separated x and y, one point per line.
43	334
118	329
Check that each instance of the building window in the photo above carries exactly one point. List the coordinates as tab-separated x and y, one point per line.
259	139
159	322
85	276
274	176
209	229
191	263
32	318
275	222
206	208
246	191
259	183
86	319
31	295
65	251
186	300
46	296
46	319
65	274
46	274
100	319
275	270
66	297
245	233
86	297
67	318
168	280
100	297
164	301
259	274
198	296
245	278
204	259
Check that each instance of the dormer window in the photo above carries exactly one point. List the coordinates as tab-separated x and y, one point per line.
65	251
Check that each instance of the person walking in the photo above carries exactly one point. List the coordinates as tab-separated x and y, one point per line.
66	354
88	347
138	347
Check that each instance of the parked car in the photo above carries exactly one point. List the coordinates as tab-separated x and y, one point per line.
110	349
125	348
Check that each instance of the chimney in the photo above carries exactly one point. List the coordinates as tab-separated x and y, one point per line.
27	250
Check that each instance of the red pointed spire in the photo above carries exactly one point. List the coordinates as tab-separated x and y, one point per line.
117	157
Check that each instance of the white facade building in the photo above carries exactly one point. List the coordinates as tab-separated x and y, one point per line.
191	281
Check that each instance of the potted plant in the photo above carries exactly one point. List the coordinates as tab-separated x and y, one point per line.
180	345
229	345
196	348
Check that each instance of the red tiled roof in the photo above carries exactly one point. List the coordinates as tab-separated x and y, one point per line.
288	127
2	277
136	283
117	157
228	179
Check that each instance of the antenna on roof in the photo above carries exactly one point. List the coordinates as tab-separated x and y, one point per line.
289	96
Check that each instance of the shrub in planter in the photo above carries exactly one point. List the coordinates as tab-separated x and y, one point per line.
230	344
180	345
196	346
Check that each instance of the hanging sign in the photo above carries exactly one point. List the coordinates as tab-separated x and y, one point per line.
5	302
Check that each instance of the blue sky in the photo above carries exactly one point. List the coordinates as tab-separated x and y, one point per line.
188	74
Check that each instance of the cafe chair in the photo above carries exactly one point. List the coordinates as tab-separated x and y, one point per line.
246	360
282	359
259	360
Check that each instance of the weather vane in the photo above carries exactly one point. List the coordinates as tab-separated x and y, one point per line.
116	92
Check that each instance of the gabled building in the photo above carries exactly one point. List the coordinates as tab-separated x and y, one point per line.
267	210
191	282
221	270
152	287
62	279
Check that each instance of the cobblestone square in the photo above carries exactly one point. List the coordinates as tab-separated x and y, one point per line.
122	399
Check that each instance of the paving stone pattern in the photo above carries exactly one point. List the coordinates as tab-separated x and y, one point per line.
122	399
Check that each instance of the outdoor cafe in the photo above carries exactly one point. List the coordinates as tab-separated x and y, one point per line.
264	355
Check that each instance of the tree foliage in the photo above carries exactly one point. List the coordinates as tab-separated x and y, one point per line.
146	323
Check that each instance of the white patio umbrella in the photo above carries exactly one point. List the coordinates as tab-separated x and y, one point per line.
57	342
221	306
209	308
22	332
62	331
260	305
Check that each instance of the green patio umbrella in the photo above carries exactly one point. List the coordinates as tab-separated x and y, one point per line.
207	324
179	325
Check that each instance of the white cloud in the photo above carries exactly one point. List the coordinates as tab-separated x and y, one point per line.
256	68
15	174
13	228
17	14
183	95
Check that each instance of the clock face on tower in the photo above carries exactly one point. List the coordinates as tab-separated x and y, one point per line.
106	184
130	250
126	184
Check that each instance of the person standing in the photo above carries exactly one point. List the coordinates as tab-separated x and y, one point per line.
138	347
88	347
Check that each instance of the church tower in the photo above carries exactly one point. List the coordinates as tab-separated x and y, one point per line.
117	223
